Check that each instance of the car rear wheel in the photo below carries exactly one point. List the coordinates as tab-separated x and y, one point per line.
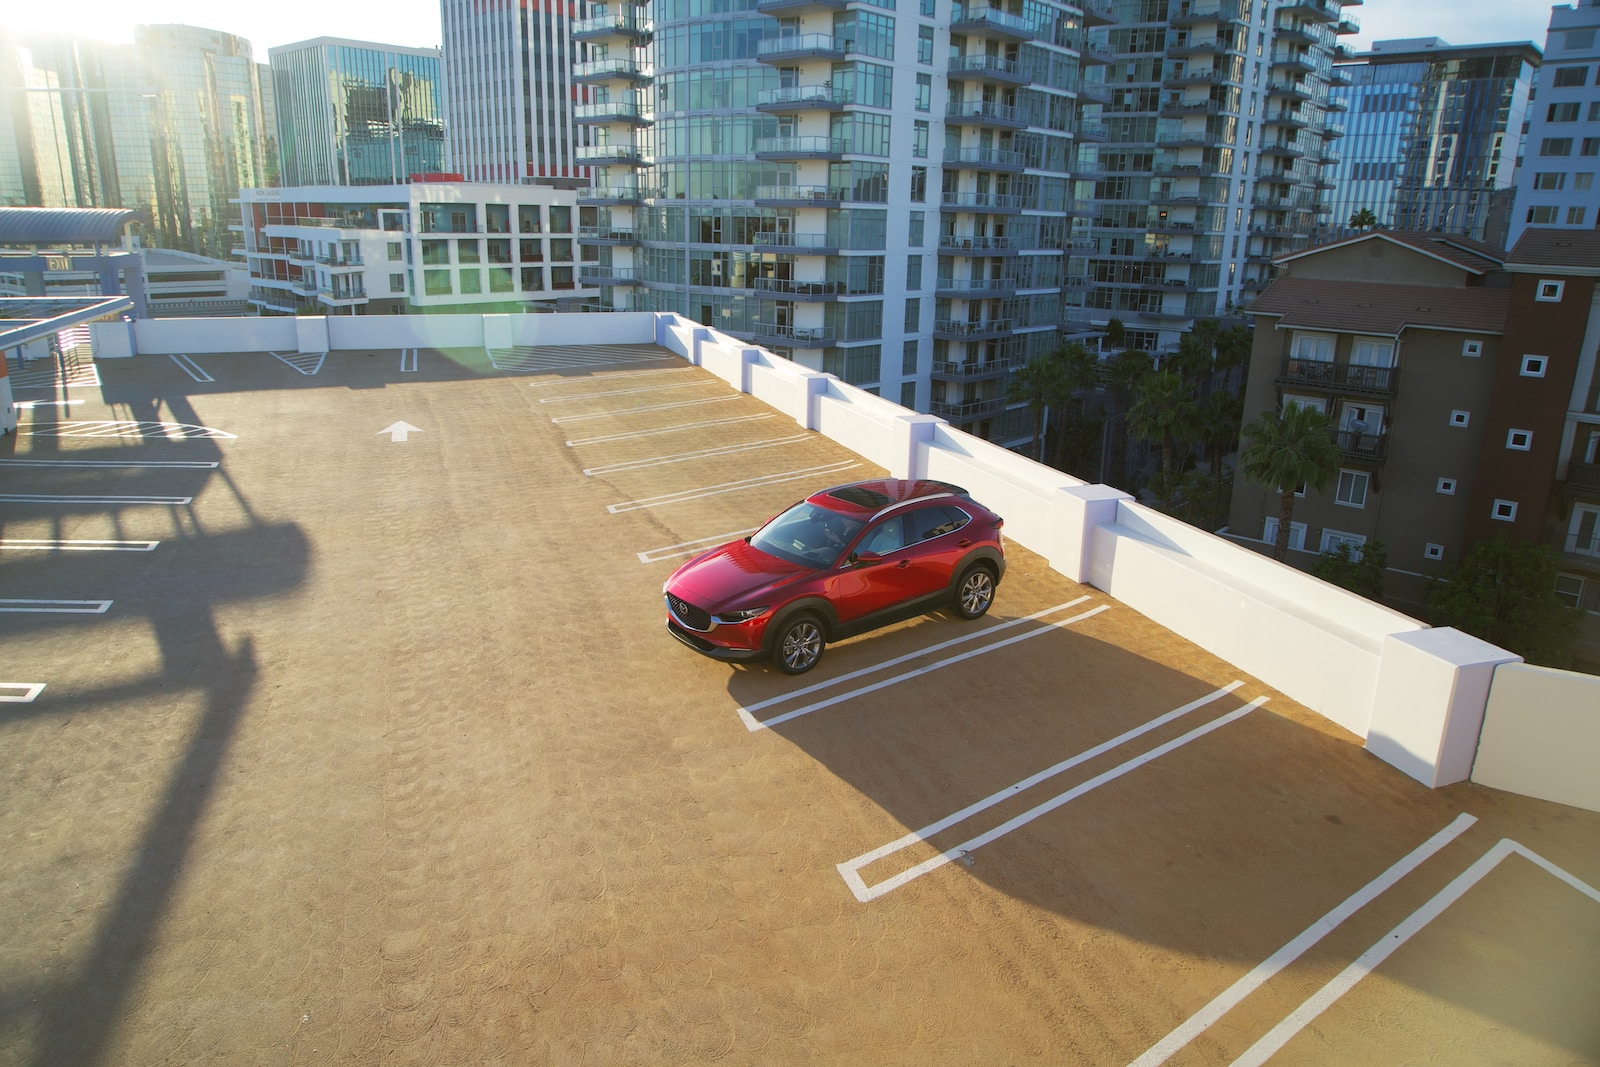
799	645
975	592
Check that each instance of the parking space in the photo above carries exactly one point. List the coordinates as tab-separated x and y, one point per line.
377	749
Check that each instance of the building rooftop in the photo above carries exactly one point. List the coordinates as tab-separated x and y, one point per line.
1459	250
62	225
342	723
1577	250
1380	308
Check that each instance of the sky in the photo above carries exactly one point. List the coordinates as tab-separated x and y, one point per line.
416	22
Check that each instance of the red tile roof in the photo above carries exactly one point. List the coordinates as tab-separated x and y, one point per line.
1542	247
1381	309
1463	252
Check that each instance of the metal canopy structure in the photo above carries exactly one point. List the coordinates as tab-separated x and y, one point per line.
62	226
27	318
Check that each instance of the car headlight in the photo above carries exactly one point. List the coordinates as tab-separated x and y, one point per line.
742	615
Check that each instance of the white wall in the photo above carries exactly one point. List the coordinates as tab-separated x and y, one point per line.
1541	735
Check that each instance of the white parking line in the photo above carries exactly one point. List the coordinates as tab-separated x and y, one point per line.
48	544
172	431
29	405
1345	980
191	368
28	692
752	723
647	408
57	607
681	427
729	487
850	868
689	548
746	711
627	392
61	498
864	892
703	453
1229	998
307	363
168	464
408	360
618	374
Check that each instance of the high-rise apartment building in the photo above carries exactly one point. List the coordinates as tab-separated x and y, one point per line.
170	127
509	91
1432	135
1556	183
888	193
1219	132
356	113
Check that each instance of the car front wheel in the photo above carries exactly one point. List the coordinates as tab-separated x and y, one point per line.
975	592
799	645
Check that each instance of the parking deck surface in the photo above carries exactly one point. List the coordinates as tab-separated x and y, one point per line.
340	725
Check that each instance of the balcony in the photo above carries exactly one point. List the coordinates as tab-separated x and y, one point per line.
792	99
1094	92
1007	203
1347	24
1362	447
788	336
342	297
969	410
608	155
1340	377
991	69
1183	108
607	235
1195	12
609	194
983	159
1294	63
1314	10
968	245
1283	149
1583	479
1182	78
975	371
1288	90
989	24
802	46
805	292
974	288
1295	33
795	7
1097	13
590	275
985	113
629	24
818	244
1094	55
1208	46
624	110
796	148
1291	120
1093	131
959	330
799	196
609	70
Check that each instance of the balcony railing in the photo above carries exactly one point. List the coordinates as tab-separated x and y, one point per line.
968	410
962	328
1367	446
983	157
992	368
1584	476
1347	376
1004	69
984	110
791	287
1578	545
798	336
802	193
804	96
812	242
975	18
975	201
958	243
979	288
802	44
801	146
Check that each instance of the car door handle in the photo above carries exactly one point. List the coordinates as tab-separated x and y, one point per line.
964	542
903	564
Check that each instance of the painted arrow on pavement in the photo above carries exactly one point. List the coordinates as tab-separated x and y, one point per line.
400	431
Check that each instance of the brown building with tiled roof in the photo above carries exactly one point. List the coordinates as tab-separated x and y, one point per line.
1464	393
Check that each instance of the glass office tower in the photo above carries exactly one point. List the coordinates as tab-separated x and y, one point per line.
356	113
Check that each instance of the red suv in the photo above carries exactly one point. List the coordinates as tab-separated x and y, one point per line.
840	562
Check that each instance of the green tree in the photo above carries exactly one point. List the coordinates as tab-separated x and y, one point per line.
1220	417
1504	592
1364	575
1363	219
1284	451
1116	332
1041	384
1165	410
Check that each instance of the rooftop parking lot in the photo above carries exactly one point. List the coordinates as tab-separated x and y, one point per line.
340	724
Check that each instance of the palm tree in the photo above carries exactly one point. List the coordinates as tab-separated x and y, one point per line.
1164	410
1219	429
1041	384
1286	451
1363	219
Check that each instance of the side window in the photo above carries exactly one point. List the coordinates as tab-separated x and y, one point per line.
937	521
888	536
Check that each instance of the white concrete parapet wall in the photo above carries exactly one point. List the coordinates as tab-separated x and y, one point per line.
1541	735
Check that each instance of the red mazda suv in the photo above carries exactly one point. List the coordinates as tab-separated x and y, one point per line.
843	561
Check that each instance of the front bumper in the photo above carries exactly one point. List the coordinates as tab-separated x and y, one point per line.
707	648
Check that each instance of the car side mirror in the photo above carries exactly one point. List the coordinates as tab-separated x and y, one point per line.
864	559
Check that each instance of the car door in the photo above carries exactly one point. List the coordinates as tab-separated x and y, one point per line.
943	538
882	574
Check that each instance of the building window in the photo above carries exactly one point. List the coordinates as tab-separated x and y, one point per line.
1317	347
913	314
1550	292
1460	418
561	278
500	280
528	218
908	357
915	226
1553	180
1583	180
1555	146
397	251
530	251
1332	539
561	250
560	219
1541	214
1504	511
1519	440
1590	147
1569	590
925	45
532	279
1575	215
397	283
919	185
471	281
1352	489
1583	532
436	283
1297	533
924	92
914	273
1534	366
919	138
497	218
1562	112
466	251
1447	486
1566	77
1472	349
436	251
908	395
1432	551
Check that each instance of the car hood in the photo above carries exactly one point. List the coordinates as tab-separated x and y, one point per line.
736	571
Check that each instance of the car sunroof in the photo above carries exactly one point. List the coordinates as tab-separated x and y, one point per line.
860	496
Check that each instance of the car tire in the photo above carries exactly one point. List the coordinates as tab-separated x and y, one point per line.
799	644
974	592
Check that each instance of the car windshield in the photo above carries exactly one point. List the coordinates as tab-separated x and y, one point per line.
807	534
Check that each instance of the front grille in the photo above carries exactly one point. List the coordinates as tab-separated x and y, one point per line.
692	617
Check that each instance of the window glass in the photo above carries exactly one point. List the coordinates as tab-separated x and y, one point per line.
466	251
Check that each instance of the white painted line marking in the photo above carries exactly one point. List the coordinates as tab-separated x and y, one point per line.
970	635
65	607
688	548
752	723
307	363
729	487
191	368
206	465
681	427
647	408
31	404
1264	971
48	544
865	893
1029	782
58	498
628	392
399	431
618	374
29	692
408	360
704	453
1368	961
172	431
